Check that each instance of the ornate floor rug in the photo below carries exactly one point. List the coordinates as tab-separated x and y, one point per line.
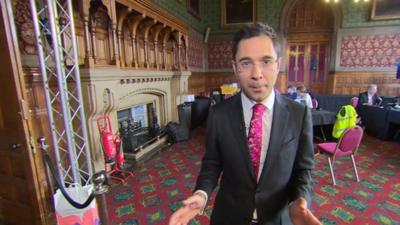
157	188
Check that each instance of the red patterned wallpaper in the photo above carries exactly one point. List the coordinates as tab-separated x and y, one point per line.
220	55
195	53
23	22
370	51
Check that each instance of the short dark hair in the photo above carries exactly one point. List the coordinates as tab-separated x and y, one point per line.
254	30
302	89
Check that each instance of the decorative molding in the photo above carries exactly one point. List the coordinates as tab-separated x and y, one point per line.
152	10
153	91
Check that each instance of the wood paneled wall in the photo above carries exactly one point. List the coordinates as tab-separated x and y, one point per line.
339	83
201	83
352	83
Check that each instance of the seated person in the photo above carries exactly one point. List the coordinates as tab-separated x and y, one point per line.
396	103
310	93
291	92
303	97
370	97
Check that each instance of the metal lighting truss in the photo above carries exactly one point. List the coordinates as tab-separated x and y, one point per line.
57	49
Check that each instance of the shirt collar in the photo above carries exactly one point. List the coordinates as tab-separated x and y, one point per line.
268	102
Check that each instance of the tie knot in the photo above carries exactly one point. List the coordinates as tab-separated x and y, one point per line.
258	109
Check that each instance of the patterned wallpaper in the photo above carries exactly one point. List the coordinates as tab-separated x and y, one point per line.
370	51
195	53
220	55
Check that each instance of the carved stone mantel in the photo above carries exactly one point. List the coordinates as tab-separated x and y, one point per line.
108	90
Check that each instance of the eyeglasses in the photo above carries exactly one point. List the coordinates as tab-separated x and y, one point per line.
247	66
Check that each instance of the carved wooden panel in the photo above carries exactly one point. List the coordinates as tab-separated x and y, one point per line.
201	83
307	54
105	35
310	15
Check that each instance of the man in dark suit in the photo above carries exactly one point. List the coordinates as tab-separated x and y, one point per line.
258	146
370	97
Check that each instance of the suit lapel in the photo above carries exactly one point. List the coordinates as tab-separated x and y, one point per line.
279	123
239	130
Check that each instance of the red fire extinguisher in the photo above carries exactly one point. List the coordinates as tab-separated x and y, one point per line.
120	152
105	129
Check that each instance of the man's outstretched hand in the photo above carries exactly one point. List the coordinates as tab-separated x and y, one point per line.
300	214
191	207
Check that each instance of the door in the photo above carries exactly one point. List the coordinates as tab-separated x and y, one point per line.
307	64
309	29
19	195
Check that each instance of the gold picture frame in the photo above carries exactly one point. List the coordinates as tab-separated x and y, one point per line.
236	13
385	9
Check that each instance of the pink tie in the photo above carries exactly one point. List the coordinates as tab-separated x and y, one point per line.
255	136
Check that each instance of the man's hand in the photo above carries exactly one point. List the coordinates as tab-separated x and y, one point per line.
191	207
300	214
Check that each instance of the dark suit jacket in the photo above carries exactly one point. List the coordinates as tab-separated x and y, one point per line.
286	174
363	98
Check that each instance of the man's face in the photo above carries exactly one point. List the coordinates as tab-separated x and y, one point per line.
372	90
256	67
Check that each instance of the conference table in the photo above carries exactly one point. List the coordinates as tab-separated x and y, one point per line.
334	103
322	119
380	122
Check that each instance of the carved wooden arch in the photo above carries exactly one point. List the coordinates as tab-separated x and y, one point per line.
166	35
95	6
156	30
107	4
185	49
83	7
134	22
121	18
163	38
177	46
148	23
177	36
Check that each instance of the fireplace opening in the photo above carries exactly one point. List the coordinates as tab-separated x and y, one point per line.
138	127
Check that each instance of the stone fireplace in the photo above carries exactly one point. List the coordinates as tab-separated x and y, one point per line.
138	127
136	102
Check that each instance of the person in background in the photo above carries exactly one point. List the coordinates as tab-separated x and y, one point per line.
370	97
291	92
303	97
396	102
259	146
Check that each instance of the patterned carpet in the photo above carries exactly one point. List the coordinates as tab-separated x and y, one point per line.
157	188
